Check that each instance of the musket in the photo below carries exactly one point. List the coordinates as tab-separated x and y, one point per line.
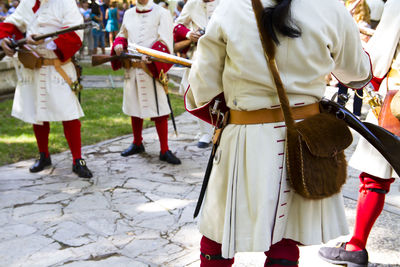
366	31
101	59
162	57
19	43
384	141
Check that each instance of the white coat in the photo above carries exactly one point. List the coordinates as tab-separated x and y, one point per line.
145	29
42	94
195	16
249	204
384	49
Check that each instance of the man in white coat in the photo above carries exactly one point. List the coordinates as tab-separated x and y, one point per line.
377	175
44	94
147	25
249	204
190	26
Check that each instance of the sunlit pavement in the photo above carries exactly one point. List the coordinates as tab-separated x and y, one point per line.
137	211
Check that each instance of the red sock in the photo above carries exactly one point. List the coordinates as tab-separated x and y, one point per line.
369	207
72	132
42	137
285	249
212	248
162	131
137	127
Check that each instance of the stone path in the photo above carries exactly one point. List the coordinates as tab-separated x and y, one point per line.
136	211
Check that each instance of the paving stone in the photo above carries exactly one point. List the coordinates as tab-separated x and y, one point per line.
138	211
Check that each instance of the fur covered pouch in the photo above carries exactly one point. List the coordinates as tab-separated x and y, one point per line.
316	163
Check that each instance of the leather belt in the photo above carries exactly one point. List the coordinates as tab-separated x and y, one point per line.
57	65
271	115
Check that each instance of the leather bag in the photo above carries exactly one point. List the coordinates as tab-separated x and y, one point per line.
30	58
315	160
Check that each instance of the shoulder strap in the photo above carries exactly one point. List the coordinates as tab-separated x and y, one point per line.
269	52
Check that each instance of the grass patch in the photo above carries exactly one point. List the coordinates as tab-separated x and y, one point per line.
103	120
87	69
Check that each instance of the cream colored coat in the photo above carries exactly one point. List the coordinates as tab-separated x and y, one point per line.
384	49
42	94
195	16
145	29
249	204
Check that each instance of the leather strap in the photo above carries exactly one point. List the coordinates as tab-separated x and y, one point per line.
271	115
269	52
57	65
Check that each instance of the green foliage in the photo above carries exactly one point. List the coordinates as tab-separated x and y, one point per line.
103	120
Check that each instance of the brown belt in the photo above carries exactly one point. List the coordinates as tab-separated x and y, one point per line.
271	115
57	65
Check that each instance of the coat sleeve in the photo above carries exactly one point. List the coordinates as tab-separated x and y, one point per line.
21	16
210	62
185	17
352	64
384	42
69	43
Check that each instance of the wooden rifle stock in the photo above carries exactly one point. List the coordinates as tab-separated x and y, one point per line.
21	42
101	59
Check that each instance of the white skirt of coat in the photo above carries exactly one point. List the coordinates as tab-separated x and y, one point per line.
140	98
43	95
249	204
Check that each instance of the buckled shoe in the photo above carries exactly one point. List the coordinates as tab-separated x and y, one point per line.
81	169
170	158
339	255
132	149
40	163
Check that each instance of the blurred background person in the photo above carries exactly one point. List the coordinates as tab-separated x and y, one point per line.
87	36
112	17
97	34
3	12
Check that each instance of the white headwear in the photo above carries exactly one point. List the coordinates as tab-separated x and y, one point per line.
148	6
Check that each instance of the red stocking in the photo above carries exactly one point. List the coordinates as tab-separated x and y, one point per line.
285	250
369	206
210	249
137	127
72	132
42	137
162	131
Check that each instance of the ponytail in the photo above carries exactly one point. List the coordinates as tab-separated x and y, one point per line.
278	19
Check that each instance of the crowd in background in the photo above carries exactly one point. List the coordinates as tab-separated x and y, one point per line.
7	8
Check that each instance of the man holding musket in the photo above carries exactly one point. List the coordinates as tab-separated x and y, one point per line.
147	25
190	26
43	92
377	175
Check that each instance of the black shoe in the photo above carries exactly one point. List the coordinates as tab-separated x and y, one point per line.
203	144
133	149
339	255
40	163
169	157
81	169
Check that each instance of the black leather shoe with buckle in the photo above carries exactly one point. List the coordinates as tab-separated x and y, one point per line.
339	255
133	149
40	163
203	144
81	169
169	157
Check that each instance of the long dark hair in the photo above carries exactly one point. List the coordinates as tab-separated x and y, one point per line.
278	19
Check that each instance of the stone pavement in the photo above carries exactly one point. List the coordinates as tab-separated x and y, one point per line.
136	211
